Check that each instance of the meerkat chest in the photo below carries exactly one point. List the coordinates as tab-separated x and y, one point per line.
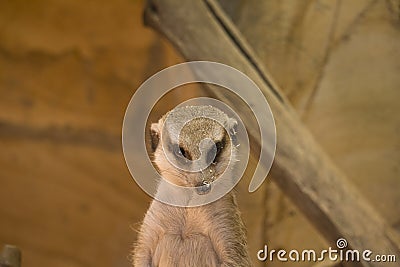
184	222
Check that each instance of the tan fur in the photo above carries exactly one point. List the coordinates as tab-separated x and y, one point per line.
209	235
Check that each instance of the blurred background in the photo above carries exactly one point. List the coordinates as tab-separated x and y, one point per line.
69	68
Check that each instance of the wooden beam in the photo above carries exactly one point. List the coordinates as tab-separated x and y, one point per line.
201	31
10	256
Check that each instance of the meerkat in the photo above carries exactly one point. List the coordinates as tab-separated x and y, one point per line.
207	235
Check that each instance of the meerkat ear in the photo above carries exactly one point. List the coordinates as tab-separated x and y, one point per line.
232	126
154	136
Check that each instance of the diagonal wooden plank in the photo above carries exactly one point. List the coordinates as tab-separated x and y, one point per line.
201	31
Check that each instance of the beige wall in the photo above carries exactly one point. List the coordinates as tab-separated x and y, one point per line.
67	72
338	63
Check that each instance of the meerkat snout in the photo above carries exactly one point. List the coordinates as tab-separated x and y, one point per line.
200	151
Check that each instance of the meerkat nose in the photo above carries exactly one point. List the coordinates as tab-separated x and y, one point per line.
203	188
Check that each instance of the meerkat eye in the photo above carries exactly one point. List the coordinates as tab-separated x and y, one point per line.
184	153
219	146
177	151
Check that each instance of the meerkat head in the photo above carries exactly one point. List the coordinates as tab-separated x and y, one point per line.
192	146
